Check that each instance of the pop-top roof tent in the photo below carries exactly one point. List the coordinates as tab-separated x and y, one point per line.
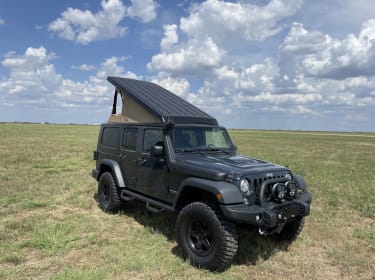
146	102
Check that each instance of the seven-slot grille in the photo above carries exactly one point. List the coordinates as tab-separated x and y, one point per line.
258	179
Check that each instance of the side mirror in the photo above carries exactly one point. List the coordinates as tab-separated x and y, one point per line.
235	147
157	150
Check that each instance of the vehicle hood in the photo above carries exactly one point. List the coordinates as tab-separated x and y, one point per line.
222	165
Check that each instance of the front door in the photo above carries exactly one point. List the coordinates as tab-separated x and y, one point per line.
152	169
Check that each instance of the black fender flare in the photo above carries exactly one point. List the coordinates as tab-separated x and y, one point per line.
230	193
300	181
116	171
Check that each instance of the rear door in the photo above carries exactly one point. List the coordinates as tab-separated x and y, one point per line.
109	143
128	156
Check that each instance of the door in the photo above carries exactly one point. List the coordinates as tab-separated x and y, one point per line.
152	169
128	156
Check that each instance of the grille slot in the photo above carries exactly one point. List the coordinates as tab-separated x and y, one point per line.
258	181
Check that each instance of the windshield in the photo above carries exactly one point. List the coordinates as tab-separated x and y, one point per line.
200	138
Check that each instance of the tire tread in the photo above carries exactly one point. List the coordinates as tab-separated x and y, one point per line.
115	203
291	230
229	243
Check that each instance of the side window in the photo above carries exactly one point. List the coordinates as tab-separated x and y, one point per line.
110	136
129	141
151	137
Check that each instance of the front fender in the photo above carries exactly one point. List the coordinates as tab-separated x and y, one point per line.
230	193
116	171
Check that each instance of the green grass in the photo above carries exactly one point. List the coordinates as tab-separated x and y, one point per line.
51	227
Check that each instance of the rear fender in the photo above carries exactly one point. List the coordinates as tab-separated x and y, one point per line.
115	169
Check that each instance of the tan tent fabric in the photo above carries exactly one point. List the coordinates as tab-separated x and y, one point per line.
132	112
116	119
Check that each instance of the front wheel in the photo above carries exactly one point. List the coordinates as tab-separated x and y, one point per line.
291	230
207	240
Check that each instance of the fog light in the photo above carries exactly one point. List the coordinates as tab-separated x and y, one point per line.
279	191
244	185
292	189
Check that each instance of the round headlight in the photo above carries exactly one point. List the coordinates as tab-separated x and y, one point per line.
288	176
244	185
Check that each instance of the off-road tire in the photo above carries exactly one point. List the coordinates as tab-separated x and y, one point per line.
201	225
291	230
108	195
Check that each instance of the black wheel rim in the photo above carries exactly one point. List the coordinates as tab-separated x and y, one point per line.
105	195
199	238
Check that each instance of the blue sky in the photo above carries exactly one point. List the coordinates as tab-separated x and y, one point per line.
279	64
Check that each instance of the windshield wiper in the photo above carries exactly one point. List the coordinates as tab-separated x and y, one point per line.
186	150
215	149
189	150
201	150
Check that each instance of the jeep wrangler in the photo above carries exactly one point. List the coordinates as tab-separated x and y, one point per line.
191	166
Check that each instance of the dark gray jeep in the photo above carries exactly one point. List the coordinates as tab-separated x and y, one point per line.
173	156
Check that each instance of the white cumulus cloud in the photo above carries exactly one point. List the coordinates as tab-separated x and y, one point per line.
225	21
211	29
301	41
85	27
143	10
31	74
179	86
256	78
34	80
170	37
326	57
270	98
194	58
83	67
96	89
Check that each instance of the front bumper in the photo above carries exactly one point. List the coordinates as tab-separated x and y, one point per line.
271	214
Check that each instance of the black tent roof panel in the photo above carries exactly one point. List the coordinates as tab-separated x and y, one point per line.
161	102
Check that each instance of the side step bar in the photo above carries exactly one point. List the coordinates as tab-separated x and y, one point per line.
153	209
126	197
151	204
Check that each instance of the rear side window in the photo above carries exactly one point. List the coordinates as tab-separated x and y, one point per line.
151	137
110	136
130	138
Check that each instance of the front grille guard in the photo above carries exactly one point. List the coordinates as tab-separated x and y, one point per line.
261	183
263	188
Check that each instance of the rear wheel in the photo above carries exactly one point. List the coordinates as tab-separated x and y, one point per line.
108	196
207	240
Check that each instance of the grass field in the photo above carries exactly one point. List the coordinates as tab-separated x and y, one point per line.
52	228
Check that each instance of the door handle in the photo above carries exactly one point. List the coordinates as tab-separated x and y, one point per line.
123	156
140	161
